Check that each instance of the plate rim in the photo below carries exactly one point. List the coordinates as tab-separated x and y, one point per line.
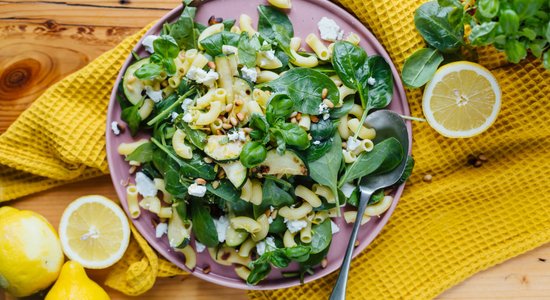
374	43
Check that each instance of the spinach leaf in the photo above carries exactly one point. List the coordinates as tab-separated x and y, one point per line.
143	153
321	133
275	25
196	167
409	165
322	236
248	47
203	224
420	67
150	170
385	156
381	92
131	116
348	60
278	225
196	137
325	169
272	195
214	43
432	22
258	272
170	170
183	30
343	110
304	86
228	194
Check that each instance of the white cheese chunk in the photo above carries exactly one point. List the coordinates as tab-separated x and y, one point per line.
233	135
352	143
316	142
323	108
221	225
160	230
266	245
114	128
186	103
196	190
201	76
156	96
329	30
145	186
229	50
199	247
371	81
249	74
174	115
295	225
148	43
187	117
334	228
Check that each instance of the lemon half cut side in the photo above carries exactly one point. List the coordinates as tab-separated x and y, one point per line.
94	232
462	100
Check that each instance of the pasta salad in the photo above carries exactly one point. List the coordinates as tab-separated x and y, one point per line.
256	142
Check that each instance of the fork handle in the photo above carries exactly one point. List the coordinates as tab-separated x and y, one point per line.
339	290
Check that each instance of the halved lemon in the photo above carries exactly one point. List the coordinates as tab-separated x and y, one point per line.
462	100
94	232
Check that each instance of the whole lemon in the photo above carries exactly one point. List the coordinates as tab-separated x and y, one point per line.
73	283
30	255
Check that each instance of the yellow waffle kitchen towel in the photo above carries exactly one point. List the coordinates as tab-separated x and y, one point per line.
465	220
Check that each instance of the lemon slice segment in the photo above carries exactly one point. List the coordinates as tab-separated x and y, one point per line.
94	232
462	100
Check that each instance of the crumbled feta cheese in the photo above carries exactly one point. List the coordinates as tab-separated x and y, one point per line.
270	219
329	30
221	225
323	108
233	135
242	136
326	116
266	245
352	143
145	186
347	189
199	247
148	43
371	81
174	115
316	142
271	208
295	225
334	228
114	128
187	117
228	50
156	96
160	230
196	190
186	103
270	54
201	76
249	74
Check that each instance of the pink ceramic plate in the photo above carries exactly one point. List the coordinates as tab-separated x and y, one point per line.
304	16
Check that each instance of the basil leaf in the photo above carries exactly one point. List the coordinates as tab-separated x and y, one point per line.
304	86
280	107
322	236
275	25
166	47
214	43
325	169
258	272
203	224
385	156
515	50
420	67
294	135
527	8
297	251
279	259
148	71
248	48
252	154
143	153
434	26
483	34
546	60
183	30
488	8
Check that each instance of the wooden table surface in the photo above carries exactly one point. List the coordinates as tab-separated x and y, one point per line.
43	41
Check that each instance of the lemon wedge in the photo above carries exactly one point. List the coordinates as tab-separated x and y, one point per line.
94	232
462	100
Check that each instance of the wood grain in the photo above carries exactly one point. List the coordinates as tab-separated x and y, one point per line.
43	41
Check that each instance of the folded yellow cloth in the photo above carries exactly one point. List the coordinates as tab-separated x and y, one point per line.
465	220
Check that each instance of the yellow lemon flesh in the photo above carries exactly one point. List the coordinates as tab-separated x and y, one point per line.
94	232
30	252
73	283
462	100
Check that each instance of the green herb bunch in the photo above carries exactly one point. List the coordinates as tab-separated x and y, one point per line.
517	27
